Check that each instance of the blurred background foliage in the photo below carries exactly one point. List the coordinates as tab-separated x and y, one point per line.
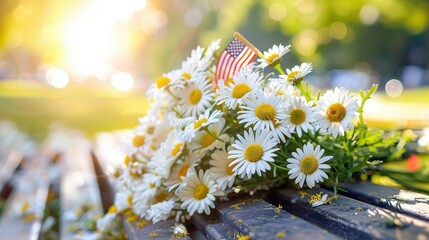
88	62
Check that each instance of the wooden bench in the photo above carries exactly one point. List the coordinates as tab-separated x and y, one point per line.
31	195
75	181
79	192
364	211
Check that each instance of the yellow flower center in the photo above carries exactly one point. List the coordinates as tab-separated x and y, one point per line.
229	170
113	209
273	57
309	164
25	206
151	130
130	199
127	160
117	173
297	116
240	90
207	140
183	171
195	96
199	123
176	149
253	152
200	191
138	140
336	112
162	81
291	75
186	75
161	196
265	111
152	185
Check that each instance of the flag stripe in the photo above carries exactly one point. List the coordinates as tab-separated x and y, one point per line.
233	58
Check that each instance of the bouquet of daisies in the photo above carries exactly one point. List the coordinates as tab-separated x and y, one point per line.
261	128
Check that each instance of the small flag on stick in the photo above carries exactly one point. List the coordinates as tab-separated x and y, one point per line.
239	53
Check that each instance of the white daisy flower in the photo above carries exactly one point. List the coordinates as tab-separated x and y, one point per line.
25	207
261	110
211	138
192	72
196	97
252	152
297	73
300	115
141	203
336	110
307	165
181	170
210	52
233	93
273	56
132	175
221	171
160	211
123	199
164	158
155	129
283	88
198	193
161	84
194	60
203	121
135	142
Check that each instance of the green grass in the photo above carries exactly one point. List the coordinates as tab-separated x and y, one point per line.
419	96
34	107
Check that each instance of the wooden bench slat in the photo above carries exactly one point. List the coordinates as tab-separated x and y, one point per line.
213	228
12	162
256	218
159	231
403	201
351	218
11	225
78	187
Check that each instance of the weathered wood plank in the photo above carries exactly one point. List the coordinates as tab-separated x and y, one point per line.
257	219
261	220
351	218
403	201
78	188
159	231
12	226
8	168
213	228
105	189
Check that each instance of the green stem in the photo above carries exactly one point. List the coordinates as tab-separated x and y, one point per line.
279	167
303	91
279	69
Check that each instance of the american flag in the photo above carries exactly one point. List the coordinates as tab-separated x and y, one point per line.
234	57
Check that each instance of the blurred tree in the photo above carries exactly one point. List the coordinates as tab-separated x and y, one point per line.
383	35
